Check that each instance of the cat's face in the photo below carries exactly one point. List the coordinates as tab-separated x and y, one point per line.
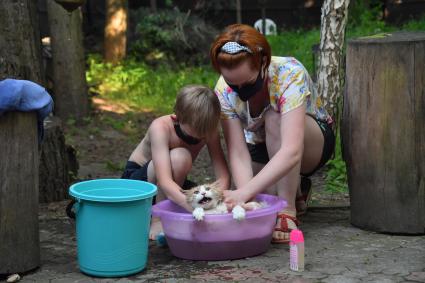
206	196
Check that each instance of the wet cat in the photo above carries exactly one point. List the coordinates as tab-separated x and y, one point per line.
208	199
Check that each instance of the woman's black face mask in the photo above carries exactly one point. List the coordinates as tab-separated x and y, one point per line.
247	91
185	137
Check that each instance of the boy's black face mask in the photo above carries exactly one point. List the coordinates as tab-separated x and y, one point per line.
185	137
247	91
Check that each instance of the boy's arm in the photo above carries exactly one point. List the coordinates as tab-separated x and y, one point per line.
160	136
221	170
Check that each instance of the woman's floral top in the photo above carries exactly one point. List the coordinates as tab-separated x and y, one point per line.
289	86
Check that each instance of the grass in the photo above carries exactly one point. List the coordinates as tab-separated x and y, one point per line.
154	89
141	86
296	44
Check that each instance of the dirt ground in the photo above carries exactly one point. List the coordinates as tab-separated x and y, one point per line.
106	139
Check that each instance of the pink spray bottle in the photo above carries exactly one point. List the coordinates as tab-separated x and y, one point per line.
296	250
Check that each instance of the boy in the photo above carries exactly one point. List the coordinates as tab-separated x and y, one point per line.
165	155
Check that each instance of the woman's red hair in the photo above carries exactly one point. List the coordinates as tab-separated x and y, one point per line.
244	35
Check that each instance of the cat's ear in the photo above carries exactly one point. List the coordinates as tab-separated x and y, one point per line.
183	191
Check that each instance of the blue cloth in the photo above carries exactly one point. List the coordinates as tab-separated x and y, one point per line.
22	95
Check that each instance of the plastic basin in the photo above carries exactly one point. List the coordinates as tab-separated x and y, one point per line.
219	236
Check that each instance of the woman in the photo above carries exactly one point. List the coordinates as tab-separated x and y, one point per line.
273	121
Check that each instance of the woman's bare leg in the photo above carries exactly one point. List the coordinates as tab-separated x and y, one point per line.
288	186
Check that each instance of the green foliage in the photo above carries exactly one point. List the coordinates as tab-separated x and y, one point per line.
172	36
415	25
296	44
365	17
336	173
142	86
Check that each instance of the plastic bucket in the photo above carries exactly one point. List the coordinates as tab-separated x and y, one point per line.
112	219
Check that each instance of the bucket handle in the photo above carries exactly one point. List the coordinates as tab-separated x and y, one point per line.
72	208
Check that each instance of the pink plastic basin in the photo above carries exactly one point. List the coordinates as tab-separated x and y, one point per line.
219	236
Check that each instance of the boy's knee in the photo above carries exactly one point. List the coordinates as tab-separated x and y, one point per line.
181	158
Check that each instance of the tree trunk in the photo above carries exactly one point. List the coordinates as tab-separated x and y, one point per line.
238	12
69	81
20	58
58	163
115	30
332	33
20	45
19	235
383	132
154	8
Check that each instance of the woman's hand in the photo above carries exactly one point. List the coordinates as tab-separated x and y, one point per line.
236	197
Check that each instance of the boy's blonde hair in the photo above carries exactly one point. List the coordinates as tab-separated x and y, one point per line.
198	107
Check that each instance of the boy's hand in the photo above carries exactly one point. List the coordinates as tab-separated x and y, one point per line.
234	198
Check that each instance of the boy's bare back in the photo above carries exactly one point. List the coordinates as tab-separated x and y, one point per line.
162	131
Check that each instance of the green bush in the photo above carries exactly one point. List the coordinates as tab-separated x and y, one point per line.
170	36
142	86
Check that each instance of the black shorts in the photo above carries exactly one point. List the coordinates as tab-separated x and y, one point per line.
259	152
136	172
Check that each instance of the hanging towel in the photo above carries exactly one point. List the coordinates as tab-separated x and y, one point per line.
22	95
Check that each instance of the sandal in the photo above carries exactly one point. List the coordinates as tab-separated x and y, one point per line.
301	202
284	227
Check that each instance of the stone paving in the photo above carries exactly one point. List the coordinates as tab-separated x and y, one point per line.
335	252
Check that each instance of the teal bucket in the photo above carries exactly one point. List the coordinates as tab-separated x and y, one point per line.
112	219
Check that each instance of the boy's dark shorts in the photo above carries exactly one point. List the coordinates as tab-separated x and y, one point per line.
136	172
259	153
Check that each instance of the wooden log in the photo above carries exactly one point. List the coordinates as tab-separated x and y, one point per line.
20	44
19	237
69	74
58	163
383	132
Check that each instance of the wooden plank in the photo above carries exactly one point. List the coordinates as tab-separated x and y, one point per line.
19	235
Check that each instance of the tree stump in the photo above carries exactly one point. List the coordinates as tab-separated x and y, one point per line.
68	63
383	132
58	163
20	44
19	238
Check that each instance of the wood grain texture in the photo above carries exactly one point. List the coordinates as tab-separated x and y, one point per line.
20	45
19	235
58	163
69	81
383	132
